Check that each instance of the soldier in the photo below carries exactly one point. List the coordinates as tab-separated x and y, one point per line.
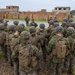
3	41
11	30
14	39
27	21
16	23
53	32
70	58
27	54
33	23
57	51
34	37
64	25
50	29
55	19
49	19
42	39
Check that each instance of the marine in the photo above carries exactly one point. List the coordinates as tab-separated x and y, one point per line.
56	53
33	23
27	54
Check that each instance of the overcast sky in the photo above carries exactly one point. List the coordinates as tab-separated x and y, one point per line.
36	5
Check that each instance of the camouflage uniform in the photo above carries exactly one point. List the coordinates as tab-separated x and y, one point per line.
9	36
70	58
33	23
28	55
43	42
56	64
3	41
14	40
42	39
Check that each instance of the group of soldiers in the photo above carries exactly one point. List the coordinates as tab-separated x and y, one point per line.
39	51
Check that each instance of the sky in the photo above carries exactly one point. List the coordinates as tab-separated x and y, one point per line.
37	5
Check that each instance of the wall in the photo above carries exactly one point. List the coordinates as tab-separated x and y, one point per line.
36	15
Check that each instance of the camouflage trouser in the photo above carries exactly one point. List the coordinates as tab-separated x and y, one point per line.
44	53
24	73
27	23
56	68
10	57
4	51
16	67
69	65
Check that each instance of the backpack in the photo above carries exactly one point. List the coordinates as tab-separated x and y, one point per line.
1	38
60	49
25	57
73	45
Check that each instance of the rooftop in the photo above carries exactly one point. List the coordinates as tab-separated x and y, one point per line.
62	7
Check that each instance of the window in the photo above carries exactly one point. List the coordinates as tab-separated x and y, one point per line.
55	8
9	7
59	8
64	8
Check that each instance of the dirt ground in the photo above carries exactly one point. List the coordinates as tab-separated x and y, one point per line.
5	68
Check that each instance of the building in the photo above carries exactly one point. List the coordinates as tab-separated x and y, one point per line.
10	9
61	10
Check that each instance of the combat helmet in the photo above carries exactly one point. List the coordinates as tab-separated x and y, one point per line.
32	29
51	22
64	24
65	20
22	25
56	24
16	22
59	29
19	28
42	26
11	28
72	24
24	36
70	30
70	20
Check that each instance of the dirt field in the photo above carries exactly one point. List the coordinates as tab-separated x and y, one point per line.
5	68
